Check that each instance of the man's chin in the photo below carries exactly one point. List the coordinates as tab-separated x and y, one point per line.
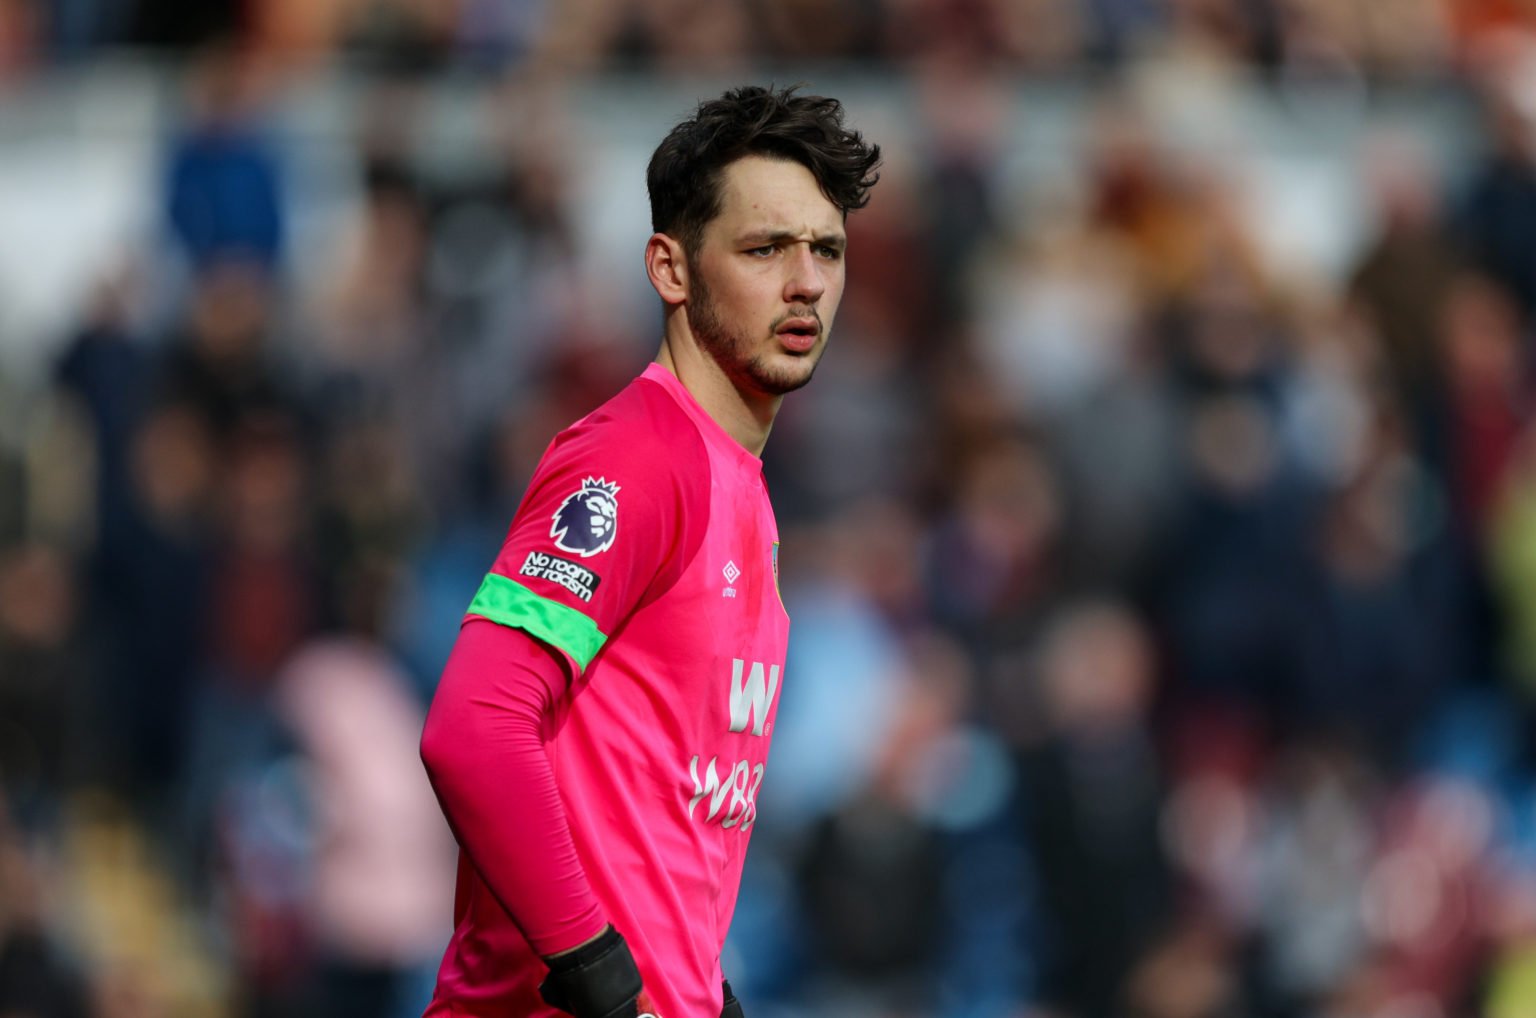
782	379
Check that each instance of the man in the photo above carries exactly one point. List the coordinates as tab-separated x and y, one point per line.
600	732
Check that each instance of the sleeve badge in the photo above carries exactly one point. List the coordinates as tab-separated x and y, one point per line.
588	520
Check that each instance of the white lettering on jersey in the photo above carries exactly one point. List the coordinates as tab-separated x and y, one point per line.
752	698
740	786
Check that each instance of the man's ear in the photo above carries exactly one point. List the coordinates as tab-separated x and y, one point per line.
667	266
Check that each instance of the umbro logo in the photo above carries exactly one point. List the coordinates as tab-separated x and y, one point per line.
731	572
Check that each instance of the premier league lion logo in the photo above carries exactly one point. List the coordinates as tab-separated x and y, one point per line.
588	519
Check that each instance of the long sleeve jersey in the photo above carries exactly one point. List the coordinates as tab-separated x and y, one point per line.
602	729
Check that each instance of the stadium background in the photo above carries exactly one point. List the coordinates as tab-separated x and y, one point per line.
1160	530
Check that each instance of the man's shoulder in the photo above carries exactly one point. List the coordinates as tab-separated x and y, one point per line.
644	405
642	427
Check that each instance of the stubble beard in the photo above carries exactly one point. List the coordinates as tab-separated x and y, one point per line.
732	349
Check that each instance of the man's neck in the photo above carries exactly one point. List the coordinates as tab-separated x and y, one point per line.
746	417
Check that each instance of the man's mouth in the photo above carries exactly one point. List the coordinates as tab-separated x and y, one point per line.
799	334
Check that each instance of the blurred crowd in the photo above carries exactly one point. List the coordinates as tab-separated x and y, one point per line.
1164	610
1410	38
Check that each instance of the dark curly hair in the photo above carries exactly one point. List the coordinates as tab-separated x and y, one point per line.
683	177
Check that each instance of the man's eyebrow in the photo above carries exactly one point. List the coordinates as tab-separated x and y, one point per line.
765	237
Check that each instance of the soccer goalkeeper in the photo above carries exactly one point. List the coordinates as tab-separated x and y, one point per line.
600	732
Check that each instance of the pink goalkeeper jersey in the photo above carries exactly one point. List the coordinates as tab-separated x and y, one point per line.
646	551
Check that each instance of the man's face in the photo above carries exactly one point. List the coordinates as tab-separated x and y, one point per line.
768	275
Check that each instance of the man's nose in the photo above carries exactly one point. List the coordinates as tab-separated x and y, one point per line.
805	283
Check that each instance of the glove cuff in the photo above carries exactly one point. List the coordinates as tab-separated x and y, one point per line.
597	980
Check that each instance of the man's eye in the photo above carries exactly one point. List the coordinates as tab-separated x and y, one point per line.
761	252
828	252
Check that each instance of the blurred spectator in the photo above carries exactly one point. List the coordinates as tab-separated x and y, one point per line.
262	585
1091	795
223	183
261	599
1386	621
383	860
1421	898
1119	456
150	603
852	661
991	559
1316	847
872	870
42	682
1058	319
220	362
1404	278
36	980
373	320
1234	571
964	111
105	367
1488	395
869	884
1498	216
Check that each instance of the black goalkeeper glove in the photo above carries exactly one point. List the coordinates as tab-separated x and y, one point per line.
597	980
732	1008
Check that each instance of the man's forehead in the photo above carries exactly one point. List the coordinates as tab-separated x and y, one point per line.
775	194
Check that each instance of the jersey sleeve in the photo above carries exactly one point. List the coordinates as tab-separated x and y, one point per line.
483	747
609	521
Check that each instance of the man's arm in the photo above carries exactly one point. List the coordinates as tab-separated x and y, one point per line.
483	747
